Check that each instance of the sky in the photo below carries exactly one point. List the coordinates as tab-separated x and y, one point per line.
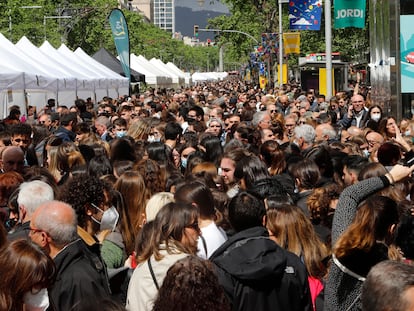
209	5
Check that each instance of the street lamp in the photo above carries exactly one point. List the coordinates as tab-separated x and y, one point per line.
21	7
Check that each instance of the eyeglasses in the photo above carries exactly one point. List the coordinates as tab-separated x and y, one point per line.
215	126
272	111
302	122
194	226
289	125
373	142
19	140
42	122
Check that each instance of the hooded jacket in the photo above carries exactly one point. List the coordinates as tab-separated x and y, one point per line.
257	274
79	277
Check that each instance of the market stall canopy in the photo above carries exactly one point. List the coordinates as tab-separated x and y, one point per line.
104	57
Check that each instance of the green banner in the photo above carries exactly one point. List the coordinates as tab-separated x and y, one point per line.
120	33
349	13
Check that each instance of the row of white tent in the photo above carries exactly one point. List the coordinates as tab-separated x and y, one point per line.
208	76
30	75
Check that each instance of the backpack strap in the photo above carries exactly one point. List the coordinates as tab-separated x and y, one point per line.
203	240
152	274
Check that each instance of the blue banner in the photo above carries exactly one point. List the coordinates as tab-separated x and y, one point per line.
305	14
120	33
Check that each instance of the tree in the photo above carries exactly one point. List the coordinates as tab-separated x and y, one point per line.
260	16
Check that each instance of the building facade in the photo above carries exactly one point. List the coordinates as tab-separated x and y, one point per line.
161	13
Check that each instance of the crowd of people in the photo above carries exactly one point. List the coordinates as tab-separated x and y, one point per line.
220	196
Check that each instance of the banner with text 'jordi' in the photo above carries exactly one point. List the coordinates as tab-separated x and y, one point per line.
349	13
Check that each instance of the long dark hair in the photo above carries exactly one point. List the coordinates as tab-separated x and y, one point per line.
168	231
371	224
26	268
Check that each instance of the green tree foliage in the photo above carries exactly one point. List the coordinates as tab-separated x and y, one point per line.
259	16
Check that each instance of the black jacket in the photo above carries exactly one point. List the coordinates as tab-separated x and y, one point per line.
257	274
79	278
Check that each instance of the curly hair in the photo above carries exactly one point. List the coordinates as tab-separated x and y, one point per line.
20	129
80	191
319	204
191	284
153	175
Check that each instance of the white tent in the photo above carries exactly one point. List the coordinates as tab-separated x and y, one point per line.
153	76
176	79
208	76
179	72
86	79
117	84
22	78
31	75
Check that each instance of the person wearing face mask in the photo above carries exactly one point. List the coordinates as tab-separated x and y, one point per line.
28	272
80	275
92	203
373	117
119	128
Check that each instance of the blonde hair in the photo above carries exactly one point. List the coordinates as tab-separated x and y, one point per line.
139	130
156	202
294	231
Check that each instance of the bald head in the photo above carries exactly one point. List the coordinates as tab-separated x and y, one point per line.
12	159
58	220
354	131
324	132
374	140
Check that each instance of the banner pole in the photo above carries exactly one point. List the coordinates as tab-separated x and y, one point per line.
280	45
328	52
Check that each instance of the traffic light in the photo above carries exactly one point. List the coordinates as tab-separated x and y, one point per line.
208	42
196	31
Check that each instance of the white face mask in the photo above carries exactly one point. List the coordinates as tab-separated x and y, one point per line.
366	153
407	133
38	301
153	139
109	218
375	117
120	134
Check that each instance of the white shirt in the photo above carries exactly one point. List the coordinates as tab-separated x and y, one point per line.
214	237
